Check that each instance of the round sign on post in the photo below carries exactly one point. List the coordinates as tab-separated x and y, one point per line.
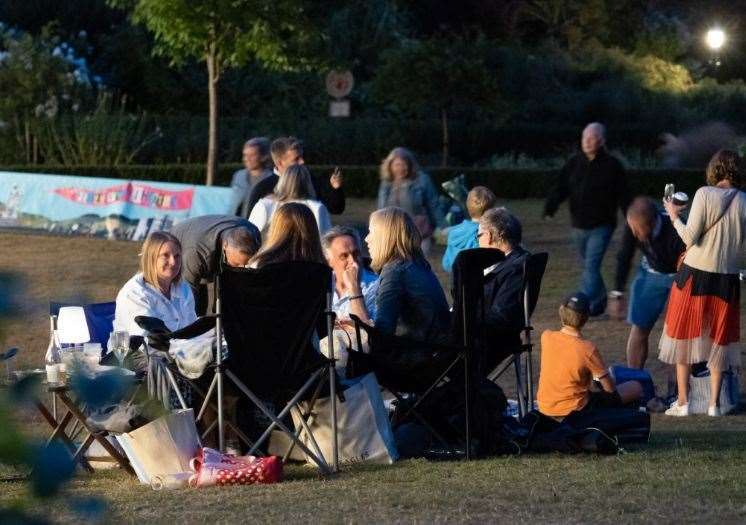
339	84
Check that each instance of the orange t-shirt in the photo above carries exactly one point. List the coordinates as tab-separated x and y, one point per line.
568	364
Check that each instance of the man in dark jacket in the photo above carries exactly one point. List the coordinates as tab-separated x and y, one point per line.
649	229
286	151
204	241
503	284
596	186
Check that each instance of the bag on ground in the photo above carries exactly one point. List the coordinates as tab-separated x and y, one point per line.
163	447
364	430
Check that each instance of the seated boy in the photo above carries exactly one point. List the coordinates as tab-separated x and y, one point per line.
464	236
569	363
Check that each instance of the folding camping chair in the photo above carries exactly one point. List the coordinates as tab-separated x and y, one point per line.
533	272
89	323
269	318
429	365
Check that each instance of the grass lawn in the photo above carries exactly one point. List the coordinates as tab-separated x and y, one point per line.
693	470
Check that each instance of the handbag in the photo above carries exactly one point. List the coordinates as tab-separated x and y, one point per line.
680	260
363	428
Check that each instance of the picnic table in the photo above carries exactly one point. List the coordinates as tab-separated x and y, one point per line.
62	393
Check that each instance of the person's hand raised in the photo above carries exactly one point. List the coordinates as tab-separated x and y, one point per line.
336	179
672	208
350	279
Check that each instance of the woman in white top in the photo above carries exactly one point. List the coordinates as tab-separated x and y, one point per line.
294	186
703	315
157	290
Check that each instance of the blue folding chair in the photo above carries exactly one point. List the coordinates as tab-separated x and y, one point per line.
99	318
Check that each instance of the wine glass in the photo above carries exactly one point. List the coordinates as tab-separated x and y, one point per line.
119	344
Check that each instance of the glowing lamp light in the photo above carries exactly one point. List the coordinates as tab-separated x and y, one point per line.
72	327
715	38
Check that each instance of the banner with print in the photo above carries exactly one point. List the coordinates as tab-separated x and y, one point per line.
111	208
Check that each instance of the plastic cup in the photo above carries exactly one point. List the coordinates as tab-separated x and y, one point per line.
53	374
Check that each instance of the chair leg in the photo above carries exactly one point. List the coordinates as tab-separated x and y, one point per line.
307	415
519	385
276	420
175	386
530	380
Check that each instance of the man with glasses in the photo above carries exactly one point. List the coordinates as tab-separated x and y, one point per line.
503	284
205	241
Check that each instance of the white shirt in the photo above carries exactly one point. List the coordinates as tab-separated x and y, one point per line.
263	211
369	289
138	297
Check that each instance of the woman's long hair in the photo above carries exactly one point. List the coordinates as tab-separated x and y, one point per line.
295	185
396	237
149	256
399	153
293	236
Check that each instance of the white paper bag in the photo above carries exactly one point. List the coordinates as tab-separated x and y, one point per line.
364	430
162	447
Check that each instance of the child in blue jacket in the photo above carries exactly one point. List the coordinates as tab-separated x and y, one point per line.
464	235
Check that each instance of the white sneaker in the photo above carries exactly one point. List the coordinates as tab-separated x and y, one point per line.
678	410
714	411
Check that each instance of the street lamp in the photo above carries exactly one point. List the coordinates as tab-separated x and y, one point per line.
715	39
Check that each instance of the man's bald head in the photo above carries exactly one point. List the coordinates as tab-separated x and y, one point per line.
641	216
593	139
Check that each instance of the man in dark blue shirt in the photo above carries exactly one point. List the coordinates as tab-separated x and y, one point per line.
649	229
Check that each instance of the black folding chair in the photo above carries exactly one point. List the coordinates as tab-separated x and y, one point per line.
406	366
270	318
411	370
533	272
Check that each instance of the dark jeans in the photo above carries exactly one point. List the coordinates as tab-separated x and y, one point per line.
591	245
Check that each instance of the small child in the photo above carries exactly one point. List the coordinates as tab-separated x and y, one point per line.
569	363
464	236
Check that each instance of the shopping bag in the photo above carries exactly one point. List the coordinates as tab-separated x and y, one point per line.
162	447
363	428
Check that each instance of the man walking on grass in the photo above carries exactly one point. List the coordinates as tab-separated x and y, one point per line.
596	186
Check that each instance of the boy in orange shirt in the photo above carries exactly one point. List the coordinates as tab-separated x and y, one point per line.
569	363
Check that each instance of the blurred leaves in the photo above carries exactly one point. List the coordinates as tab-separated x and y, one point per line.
101	390
52	467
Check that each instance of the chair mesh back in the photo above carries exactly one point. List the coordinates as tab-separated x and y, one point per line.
533	272
468	291
269	317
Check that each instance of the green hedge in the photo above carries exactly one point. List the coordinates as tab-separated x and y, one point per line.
362	181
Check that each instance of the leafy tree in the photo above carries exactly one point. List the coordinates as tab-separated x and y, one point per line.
227	34
39	78
440	76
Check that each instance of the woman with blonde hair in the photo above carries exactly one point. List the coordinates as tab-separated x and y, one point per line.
293	236
406	186
410	301
157	290
295	185
703	316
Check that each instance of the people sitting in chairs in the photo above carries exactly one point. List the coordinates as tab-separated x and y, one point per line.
569	363
157	290
503	285
294	186
410	301
205	241
292	236
355	286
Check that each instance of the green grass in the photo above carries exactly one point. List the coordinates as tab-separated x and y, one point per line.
693	470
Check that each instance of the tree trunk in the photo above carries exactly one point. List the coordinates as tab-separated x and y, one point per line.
212	141
444	121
